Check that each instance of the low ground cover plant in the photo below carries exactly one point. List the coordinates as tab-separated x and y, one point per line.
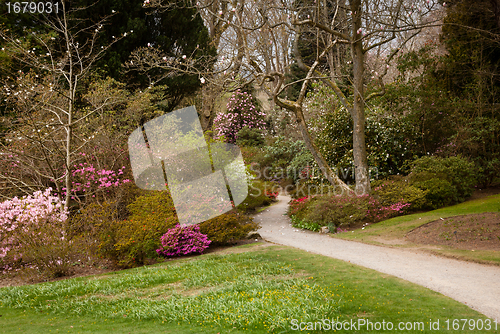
241	291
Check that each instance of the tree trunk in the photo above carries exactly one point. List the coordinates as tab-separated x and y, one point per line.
358	108
208	101
318	157
71	101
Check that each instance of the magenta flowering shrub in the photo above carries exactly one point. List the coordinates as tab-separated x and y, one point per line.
183	240
89	181
298	205
241	112
273	195
31	223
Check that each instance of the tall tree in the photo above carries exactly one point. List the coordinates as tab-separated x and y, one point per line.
175	31
267	29
50	130
470	71
364	27
472	66
229	71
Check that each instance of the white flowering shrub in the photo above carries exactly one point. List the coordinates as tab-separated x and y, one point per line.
32	234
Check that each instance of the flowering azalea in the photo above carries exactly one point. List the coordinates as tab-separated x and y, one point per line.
182	241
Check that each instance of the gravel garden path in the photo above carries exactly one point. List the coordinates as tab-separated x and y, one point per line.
475	285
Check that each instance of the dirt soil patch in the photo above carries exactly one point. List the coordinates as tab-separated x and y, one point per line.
480	231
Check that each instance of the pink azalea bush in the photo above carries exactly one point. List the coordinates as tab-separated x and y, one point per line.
88	181
241	112
29	223
183	240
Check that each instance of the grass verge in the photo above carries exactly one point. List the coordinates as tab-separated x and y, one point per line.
257	291
392	231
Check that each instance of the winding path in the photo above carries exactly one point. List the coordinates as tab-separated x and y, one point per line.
475	285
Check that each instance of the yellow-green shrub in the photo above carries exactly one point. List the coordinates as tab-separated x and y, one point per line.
138	237
227	228
132	240
137	241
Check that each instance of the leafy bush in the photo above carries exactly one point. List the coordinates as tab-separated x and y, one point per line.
137	241
250	137
90	218
138	237
478	139
336	211
130	242
273	195
128	238
298	207
439	192
227	228
252	155
448	180
155	206
397	190
260	193
285	158
32	234
183	240
390	140
48	255
301	165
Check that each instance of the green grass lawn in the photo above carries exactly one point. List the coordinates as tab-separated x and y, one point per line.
394	229
260	290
